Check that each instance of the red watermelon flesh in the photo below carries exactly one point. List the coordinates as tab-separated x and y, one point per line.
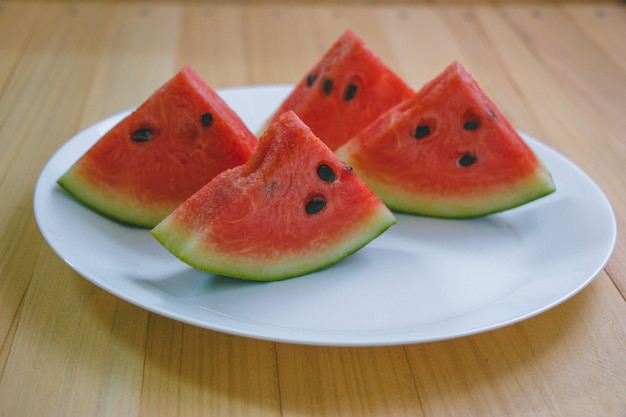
447	152
293	208
151	161
344	92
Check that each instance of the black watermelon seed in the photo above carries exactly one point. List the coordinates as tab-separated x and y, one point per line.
327	87
421	131
350	93
311	79
141	135
315	206
207	119
326	173
471	125
467	160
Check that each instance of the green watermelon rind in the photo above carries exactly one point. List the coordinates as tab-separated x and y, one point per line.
525	191
188	249
110	204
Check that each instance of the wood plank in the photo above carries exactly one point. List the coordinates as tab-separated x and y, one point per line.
16	22
336	381
281	47
553	35
409	34
29	115
537	367
604	23
191	371
212	40
74	344
128	42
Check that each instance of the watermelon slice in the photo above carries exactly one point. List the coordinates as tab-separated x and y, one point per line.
293	208
155	158
344	92
447	152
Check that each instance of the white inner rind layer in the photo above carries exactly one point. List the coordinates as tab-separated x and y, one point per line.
192	248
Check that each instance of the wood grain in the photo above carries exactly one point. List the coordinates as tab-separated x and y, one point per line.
556	69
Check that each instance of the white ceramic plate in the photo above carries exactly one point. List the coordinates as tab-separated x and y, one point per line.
422	280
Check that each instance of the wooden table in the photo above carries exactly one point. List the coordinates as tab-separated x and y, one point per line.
67	347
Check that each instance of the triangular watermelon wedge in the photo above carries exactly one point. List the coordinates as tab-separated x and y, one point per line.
344	92
152	160
293	208
447	152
